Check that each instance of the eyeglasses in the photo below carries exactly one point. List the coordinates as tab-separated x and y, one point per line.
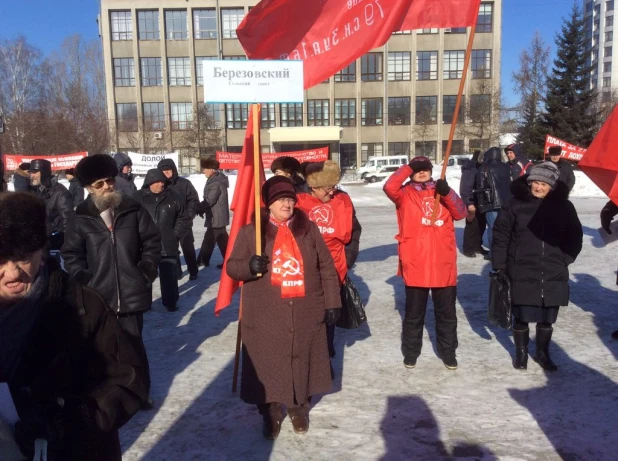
101	182
326	189
289	200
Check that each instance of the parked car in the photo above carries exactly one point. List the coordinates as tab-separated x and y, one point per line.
374	164
457	159
381	174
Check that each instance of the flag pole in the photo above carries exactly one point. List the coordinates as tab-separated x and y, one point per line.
462	84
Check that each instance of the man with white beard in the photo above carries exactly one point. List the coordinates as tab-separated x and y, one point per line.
113	246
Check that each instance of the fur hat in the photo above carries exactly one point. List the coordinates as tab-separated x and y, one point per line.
91	169
554	150
546	172
288	164
277	187
70	171
323	174
209	163
420	164
22	225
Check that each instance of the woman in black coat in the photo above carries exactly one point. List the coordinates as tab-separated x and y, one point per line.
535	240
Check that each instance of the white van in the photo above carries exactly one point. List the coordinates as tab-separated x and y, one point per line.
377	163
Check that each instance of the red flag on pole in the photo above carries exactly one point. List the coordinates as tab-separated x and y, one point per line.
330	34
243	206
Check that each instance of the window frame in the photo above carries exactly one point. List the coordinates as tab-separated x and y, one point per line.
318	112
453	65
375	105
143	31
198	32
118	33
485	71
345	112
485	21
125	67
230	22
375	61
291	114
157	122
397	112
236	115
171	23
268	119
174	77
423	58
432	114
146	72
396	67
184	118
347	74
125	124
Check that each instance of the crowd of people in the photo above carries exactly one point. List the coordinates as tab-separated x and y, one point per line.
116	241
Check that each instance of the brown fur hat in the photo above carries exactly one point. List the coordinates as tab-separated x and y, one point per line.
210	163
288	164
323	174
22	225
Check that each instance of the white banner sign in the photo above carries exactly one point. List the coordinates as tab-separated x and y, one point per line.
144	162
253	81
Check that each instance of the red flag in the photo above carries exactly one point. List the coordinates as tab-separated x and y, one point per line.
243	206
330	34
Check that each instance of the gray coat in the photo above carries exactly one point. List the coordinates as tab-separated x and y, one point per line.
215	204
124	182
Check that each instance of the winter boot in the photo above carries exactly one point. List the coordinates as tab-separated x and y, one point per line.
521	338
615	335
272	421
541	356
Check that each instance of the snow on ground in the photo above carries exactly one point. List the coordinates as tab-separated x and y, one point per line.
378	409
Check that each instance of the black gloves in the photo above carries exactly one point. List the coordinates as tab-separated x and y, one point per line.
201	208
148	270
331	316
42	421
258	264
442	187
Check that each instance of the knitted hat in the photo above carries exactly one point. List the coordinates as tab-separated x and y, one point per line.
288	164
209	163
22	225
323	174
277	187
554	150
545	172
420	164
91	169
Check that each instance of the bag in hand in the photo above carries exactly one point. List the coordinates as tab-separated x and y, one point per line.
499	306
352	310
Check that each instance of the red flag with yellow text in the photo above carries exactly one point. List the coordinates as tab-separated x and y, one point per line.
330	34
243	206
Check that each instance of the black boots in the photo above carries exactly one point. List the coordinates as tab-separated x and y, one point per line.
543	338
273	416
521	338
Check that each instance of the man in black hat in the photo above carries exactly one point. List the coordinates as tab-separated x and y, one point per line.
190	200
290	168
165	208
75	188
58	201
125	182
113	246
566	170
21	178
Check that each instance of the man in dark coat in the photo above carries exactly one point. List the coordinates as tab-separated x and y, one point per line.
566	170
75	188
125	182
607	215
113	246
72	371
190	200
21	178
216	207
475	221
517	161
58	201
290	168
166	210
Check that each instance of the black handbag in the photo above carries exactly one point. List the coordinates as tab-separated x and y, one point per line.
352	310
499	309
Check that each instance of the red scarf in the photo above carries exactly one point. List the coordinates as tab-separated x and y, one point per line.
287	263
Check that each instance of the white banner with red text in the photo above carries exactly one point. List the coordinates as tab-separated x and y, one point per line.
231	160
59	162
569	151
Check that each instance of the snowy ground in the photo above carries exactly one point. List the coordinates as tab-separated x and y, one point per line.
378	409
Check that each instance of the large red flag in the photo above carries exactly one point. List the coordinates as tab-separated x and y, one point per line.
243	206
330	34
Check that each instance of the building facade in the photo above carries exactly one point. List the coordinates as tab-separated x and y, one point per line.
396	99
599	17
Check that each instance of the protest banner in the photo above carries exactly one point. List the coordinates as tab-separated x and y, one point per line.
144	162
59	162
231	160
569	151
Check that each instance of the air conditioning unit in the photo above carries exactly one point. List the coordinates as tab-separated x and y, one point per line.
447	30
158	135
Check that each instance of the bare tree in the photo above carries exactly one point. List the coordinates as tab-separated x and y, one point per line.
482	111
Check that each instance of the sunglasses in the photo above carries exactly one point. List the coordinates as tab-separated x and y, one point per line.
101	182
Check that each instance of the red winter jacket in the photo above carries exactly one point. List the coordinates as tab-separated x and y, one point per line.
427	254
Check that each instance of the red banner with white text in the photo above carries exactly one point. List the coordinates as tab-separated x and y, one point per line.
569	151
59	162
231	160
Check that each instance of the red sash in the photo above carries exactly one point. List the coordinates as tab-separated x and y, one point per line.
287	263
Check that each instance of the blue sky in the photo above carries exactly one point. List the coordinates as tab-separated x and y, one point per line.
45	23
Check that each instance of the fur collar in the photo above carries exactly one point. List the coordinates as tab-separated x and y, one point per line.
521	191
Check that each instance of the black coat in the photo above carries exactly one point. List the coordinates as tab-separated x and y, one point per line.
79	352
183	188
535	240
169	216
469	171
76	191
492	182
124	182
567	176
59	206
115	262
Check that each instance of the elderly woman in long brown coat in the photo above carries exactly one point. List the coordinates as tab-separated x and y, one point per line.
285	356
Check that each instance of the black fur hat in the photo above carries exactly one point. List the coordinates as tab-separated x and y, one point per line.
22	225
210	163
288	164
91	169
554	150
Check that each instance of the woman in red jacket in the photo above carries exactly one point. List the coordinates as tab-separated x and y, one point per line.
427	256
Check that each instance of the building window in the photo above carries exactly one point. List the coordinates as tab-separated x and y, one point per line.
148	24
154	116
126	117
609	36
347	74
371	112
453	64
595	40
595	55
448	109
151	72
345	112
317	112
481	144
372	149
609	6
608	51
347	156
205	24
481	63
181	115
402	32
230	20
399	148
122	27
425	149
426	110
215	113
607	82
480	108
457	148
179	70
235	58
589	7
485	19
237	115
607	67
176	24
124	72
199	68
426	65
292	114
427	31
455	30
399	65
371	67
609	21
399	111
268	116
597	10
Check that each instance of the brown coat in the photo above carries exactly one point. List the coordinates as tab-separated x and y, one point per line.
285	354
